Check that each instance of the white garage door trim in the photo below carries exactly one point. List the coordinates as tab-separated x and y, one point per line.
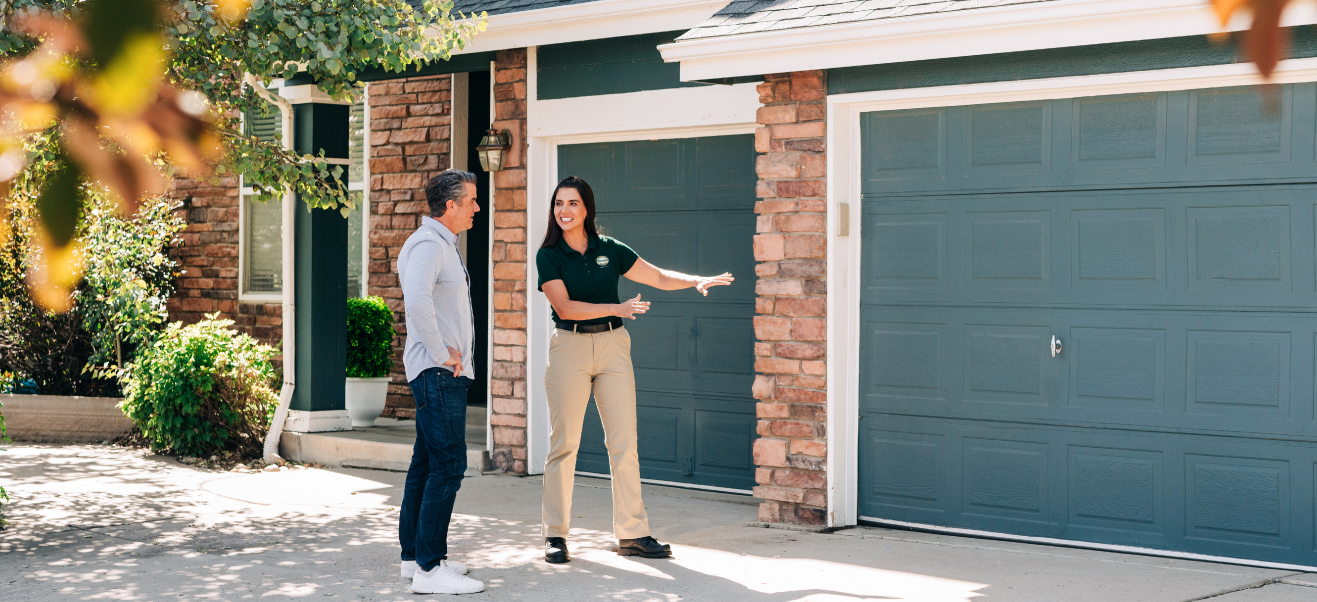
844	184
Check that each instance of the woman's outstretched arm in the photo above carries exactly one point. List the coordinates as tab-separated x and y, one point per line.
567	309
668	280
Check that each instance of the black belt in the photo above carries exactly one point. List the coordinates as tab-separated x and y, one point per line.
591	328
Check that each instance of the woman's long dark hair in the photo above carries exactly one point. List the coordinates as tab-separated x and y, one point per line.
553	233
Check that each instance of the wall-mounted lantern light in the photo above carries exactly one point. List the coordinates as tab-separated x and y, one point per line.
493	149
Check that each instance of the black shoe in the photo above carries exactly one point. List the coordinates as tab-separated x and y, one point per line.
555	550
644	547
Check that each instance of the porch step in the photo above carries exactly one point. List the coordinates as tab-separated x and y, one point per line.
385	446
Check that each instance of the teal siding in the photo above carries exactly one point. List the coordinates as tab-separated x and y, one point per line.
1168	241
459	63
686	205
1192	51
610	66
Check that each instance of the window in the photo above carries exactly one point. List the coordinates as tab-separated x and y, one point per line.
260	256
261	223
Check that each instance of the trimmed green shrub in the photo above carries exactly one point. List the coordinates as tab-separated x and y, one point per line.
202	389
370	338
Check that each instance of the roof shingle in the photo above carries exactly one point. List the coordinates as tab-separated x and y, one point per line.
748	16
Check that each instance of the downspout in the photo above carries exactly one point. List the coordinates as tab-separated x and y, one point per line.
271	451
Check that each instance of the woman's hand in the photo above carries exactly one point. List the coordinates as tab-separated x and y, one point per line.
631	307
702	283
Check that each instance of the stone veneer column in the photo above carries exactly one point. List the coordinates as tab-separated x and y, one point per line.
508	387
409	144
790	325
208	261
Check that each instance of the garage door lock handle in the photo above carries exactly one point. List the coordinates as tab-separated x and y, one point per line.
1056	345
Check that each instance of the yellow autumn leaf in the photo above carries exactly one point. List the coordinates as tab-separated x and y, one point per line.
233	10
129	83
58	271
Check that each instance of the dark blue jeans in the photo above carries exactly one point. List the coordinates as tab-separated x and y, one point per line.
438	463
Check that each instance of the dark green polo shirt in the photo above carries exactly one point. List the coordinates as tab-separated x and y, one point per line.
590	278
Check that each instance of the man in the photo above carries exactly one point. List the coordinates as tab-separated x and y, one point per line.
436	293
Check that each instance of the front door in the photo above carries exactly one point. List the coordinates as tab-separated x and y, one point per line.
685	205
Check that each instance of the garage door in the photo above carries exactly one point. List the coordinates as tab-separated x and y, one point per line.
1166	243
687	205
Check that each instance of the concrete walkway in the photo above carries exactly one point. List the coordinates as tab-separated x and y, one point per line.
101	523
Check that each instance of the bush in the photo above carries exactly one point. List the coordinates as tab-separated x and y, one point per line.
370	338
203	389
118	308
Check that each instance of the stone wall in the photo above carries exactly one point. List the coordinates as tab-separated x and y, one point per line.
790	324
508	385
409	144
208	261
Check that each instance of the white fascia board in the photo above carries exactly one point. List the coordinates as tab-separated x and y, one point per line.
704	106
590	21
1056	24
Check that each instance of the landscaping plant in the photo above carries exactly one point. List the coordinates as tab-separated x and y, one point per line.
203	389
117	307
370	338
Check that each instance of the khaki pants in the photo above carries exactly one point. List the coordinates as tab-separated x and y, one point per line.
577	363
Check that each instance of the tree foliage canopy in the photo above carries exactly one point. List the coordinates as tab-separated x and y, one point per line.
127	89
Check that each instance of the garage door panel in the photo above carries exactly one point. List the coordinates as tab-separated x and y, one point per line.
1240	374
1118	249
1209	495
1005	480
1201	248
1119	132
1117	489
1177	138
1117	368
1009	139
1248	373
905	474
1233	126
1009	249
1007	363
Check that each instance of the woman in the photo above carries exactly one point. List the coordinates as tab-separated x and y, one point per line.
590	349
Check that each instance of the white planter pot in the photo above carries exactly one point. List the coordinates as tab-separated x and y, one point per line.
365	399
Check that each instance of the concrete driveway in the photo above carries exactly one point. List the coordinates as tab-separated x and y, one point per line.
104	523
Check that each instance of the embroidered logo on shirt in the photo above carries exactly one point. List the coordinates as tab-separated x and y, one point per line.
601	260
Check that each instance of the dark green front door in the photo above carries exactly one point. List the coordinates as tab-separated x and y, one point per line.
686	205
1167	242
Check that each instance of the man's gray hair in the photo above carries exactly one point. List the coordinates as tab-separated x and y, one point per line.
449	185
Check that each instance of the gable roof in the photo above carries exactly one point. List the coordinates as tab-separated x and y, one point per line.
749	16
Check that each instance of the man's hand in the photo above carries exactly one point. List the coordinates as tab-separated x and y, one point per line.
631	307
454	360
702	284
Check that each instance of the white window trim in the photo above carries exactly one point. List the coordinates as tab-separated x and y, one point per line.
364	188
243	295
844	186
724	111
974	32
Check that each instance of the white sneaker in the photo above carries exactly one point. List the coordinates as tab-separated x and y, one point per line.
409	568
443	579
